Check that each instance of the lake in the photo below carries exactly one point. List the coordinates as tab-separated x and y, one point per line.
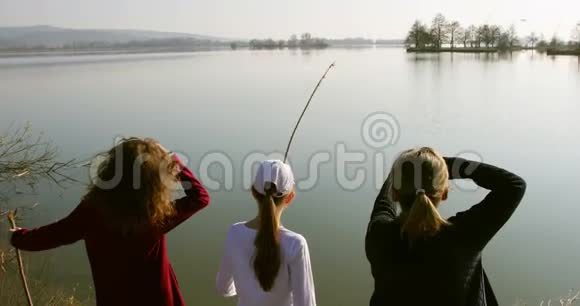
224	109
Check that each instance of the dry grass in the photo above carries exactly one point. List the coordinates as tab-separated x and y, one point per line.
11	292
571	299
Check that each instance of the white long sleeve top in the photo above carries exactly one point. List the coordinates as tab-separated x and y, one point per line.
294	285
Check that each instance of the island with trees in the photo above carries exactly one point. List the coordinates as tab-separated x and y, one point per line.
557	46
306	41
450	36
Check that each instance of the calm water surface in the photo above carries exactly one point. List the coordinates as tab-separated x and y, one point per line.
520	112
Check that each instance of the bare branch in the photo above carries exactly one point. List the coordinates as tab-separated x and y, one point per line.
12	220
26	159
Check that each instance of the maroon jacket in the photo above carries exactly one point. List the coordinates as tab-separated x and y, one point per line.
126	271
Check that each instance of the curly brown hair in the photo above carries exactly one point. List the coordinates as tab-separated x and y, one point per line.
134	185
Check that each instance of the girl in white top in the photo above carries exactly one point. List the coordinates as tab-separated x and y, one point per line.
265	264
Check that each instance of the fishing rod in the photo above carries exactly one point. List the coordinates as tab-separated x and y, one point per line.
305	108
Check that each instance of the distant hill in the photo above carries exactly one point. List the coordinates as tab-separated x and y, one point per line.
54	37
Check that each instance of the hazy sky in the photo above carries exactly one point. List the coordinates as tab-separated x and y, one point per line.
279	19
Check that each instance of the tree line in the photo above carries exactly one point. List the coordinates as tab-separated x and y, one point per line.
443	33
305	41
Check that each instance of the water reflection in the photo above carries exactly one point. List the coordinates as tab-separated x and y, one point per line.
454	56
451	57
64	60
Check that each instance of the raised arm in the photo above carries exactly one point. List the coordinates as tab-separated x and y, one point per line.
196	197
483	220
384	212
66	231
384	209
301	279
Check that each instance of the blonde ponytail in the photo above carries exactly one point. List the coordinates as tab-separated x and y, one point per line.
423	219
420	179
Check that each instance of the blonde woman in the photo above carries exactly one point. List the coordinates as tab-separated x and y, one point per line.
123	220
418	257
264	263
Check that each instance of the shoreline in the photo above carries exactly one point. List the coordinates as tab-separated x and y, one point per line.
563	52
64	52
21	53
551	52
454	50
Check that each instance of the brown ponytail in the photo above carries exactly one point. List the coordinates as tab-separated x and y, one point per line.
267	258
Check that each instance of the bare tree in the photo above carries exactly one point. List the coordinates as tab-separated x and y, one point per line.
554	42
460	36
512	37
503	43
576	34
453	29
471	34
439	30
484	32
481	35
494	34
464	36
489	35
532	39
418	35
293	41
305	39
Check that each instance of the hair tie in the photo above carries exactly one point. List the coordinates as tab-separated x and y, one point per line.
420	191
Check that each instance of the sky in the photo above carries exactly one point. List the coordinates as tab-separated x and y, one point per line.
280	18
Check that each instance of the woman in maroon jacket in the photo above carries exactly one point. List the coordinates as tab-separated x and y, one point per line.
123	220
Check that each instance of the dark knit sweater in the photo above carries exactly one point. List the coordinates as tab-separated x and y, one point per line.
445	269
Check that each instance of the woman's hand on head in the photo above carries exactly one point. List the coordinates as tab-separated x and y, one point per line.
164	149
12	230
